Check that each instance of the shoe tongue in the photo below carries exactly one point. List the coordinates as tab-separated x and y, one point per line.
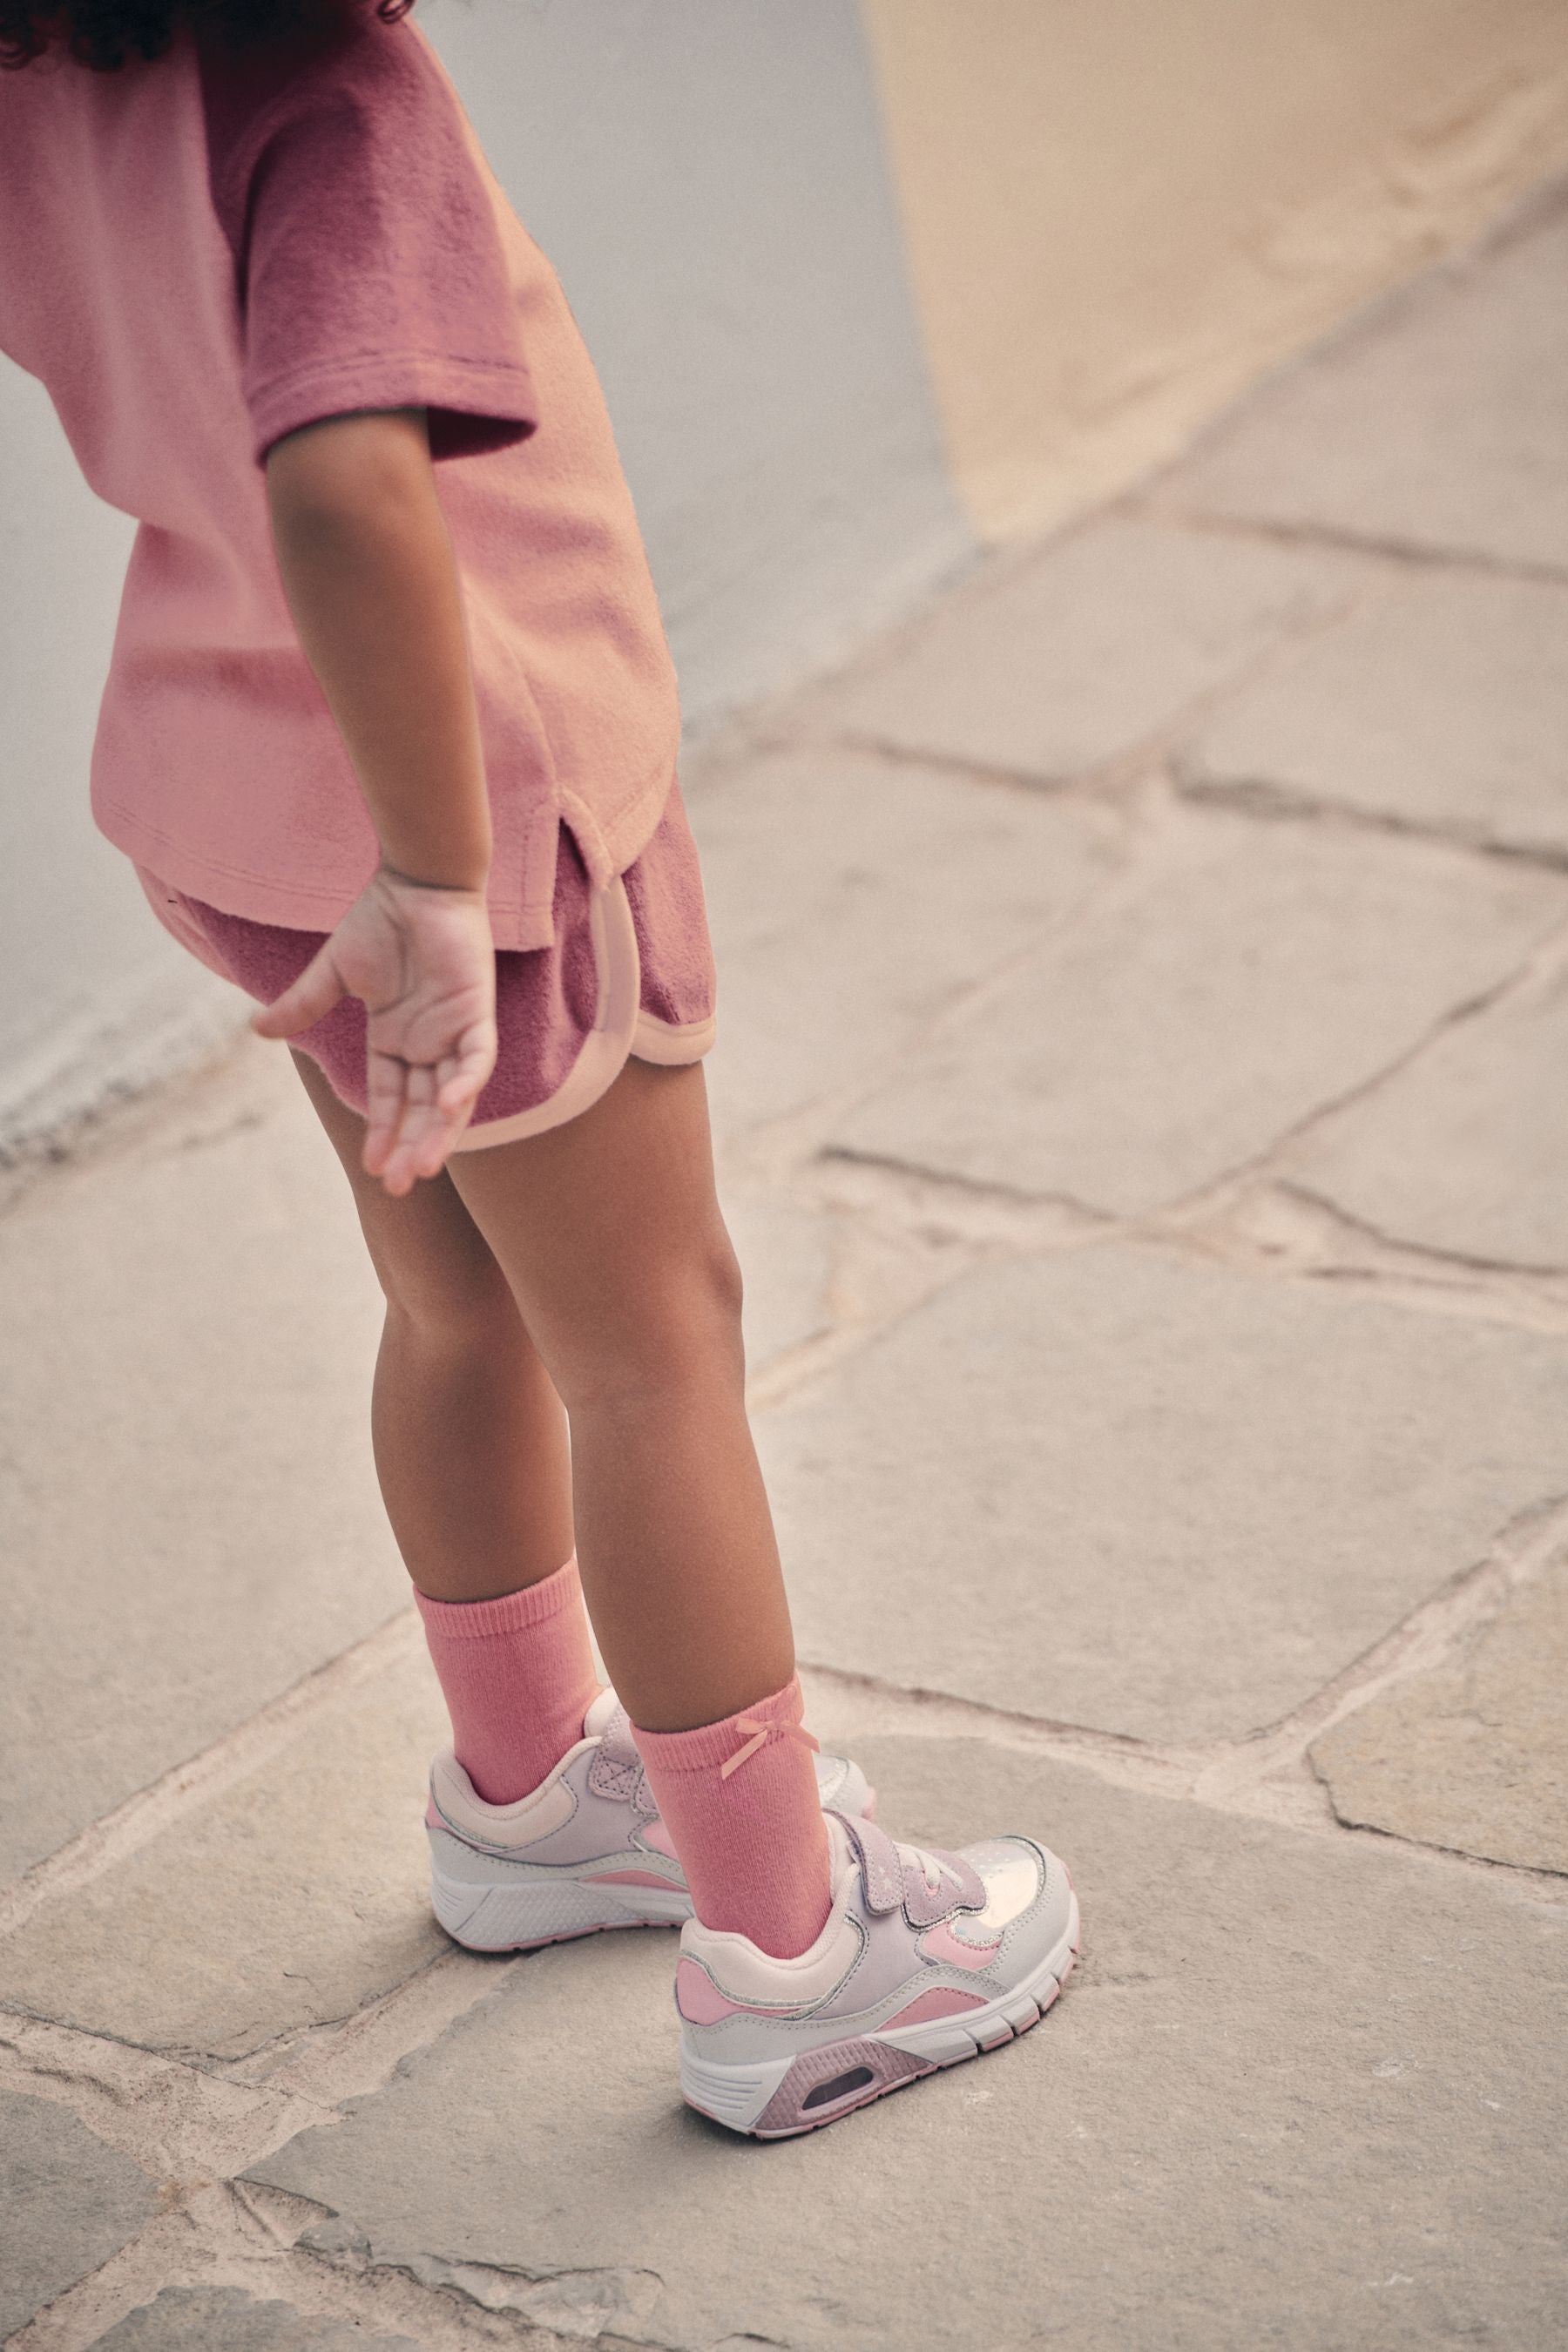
608	1722
599	1714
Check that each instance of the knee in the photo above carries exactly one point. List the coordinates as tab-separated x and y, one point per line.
453	1307
677	1326
713	1281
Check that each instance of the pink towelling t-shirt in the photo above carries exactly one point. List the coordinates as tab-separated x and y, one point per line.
201	254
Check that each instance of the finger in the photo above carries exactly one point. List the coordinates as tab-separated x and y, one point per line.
305	1001
428	1135
457	1081
402	1168
386	1087
462	1075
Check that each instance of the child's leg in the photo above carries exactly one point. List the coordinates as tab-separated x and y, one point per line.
471	1452
609	1233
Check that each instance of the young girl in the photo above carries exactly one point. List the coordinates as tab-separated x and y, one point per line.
388	616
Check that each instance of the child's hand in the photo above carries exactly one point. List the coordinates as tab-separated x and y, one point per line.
422	958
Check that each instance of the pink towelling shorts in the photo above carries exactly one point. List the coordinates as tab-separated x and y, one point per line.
630	973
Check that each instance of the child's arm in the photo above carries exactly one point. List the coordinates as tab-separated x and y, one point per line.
369	572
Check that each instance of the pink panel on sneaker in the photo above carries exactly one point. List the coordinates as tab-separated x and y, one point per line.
941	2001
939	1943
698	1998
787	2111
659	1837
627	1878
432	1818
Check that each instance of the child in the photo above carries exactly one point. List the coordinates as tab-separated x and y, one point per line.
388	615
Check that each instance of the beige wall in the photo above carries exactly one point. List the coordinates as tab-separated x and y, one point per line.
1119	212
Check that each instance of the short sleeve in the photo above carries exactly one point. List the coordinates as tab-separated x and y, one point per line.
367	235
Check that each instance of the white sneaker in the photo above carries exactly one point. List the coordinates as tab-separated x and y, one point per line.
584	1849
926	1959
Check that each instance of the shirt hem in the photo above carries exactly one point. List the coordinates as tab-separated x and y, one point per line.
520	924
610	844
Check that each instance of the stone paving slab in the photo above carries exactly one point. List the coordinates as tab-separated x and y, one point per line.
1114	1488
196	1506
289	1901
1064	663
1464	1150
1472	1755
1257	971
1446	707
851	898
226	2320
1280	2104
1435	421
67	2204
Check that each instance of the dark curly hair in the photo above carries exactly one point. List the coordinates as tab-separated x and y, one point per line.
106	34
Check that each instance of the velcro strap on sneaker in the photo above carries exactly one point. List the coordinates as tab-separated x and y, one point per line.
881	1871
893	1884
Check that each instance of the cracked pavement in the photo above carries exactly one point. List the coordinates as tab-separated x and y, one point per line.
1144	989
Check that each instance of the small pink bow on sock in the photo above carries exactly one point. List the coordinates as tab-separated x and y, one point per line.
759	1732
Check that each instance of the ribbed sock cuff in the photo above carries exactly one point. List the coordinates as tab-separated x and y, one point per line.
716	1743
509	1612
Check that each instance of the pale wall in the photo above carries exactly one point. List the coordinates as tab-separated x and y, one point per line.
1119	213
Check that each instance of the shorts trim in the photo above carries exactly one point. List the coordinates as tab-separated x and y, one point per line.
622	1031
605	1048
672	1042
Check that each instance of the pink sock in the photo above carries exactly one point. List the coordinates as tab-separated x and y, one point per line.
518	1677
750	1838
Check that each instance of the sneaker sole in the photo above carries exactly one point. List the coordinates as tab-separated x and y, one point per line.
517	1918
784	2099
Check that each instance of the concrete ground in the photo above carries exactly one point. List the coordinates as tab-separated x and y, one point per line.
1144	1014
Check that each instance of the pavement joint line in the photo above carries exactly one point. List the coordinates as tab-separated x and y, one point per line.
1267	802
344	2060
1251	1222
1251	1774
1209	1770
177	2120
1283	1227
941	1207
1541	963
1099	779
232	1756
194	2129
783	718
1424	1639
218	2237
180	2118
1085	787
771	1152
498	2289
789	1156
448	2303
1405	555
794	718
